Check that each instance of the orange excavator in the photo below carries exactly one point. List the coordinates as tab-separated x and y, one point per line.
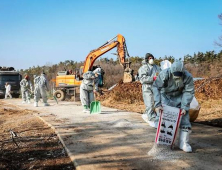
68	85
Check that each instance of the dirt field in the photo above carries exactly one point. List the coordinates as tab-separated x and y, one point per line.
128	97
36	147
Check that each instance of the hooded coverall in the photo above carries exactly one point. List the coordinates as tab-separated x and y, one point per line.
7	91
169	91
41	86
146	76
86	89
26	86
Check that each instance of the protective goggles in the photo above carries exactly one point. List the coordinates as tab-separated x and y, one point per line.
178	74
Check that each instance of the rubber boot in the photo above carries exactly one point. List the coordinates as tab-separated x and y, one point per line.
23	102
88	109
28	102
46	104
184	139
36	104
85	108
156	122
153	123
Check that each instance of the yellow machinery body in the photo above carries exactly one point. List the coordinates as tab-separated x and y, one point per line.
67	81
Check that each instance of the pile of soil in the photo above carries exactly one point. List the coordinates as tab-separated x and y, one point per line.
210	112
208	89
131	93
34	146
128	96
124	96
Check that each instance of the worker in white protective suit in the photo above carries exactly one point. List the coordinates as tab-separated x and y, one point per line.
147	75
98	74
174	87
41	86
8	90
86	90
26	89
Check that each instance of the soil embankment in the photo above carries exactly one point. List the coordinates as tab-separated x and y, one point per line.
128	96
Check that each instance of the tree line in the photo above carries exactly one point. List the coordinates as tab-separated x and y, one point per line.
199	65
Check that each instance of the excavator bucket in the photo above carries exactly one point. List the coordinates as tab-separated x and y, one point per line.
128	75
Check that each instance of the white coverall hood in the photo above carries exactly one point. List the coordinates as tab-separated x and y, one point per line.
144	62
177	66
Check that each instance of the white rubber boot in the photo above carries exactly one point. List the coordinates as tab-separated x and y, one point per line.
151	123
46	104
145	117
36	104
86	109
28	102
184	139
23	102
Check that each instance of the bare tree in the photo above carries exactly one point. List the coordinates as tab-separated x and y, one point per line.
219	43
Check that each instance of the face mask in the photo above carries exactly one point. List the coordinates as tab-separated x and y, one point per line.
178	81
151	61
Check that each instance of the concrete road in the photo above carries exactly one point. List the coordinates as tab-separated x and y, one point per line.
120	140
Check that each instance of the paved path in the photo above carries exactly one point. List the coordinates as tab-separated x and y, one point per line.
120	140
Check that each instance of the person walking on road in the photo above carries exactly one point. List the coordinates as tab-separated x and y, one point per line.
174	87
147	75
41	86
8	90
86	90
26	89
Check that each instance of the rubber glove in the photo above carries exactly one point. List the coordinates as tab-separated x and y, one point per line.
154	78
158	109
183	112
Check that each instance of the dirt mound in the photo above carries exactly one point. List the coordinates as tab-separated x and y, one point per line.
208	89
131	93
128	96
124	96
128	93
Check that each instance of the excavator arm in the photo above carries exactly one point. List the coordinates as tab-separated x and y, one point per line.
109	45
119	42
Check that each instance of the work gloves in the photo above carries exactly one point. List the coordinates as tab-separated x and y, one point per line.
183	112
158	110
155	76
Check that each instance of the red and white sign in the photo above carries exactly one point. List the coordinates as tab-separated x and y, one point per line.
169	122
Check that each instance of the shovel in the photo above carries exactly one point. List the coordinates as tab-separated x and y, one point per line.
95	107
